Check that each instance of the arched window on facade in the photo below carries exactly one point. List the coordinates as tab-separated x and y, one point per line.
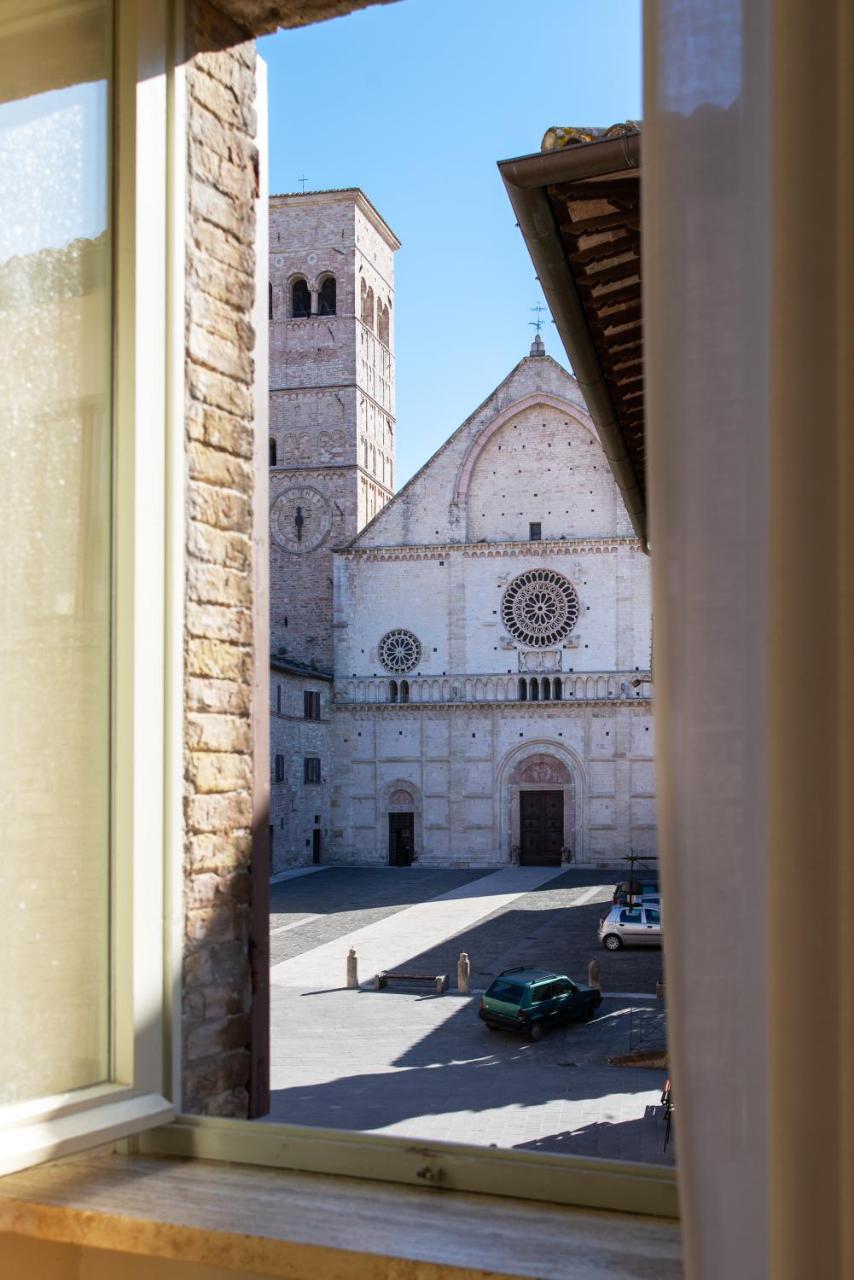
270	301
557	690
534	689
523	689
272	452
367	306
547	690
382	322
326	297
300	299
404	690
392	691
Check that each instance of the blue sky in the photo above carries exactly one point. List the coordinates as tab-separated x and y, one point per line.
415	102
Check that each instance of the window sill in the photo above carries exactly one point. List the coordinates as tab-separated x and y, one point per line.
269	1222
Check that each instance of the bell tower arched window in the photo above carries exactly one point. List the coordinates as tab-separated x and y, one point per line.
382	322
272	452
367	306
326	299
300	299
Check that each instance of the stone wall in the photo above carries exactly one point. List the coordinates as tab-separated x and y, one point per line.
331	404
458	763
298	808
482	693
218	764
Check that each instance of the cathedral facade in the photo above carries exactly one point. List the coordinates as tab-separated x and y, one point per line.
482	647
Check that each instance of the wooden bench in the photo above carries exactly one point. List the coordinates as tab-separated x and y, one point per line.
385	976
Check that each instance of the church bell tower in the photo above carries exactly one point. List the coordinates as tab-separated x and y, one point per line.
332	425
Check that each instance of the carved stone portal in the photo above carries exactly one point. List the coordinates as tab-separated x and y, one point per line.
402	799
546	772
539	771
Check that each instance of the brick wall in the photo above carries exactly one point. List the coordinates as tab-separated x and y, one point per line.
218	765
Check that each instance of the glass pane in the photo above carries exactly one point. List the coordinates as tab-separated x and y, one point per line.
55	477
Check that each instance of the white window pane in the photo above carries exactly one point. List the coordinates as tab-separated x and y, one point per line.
55	479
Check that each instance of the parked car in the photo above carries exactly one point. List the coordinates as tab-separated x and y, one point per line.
639	926
529	1000
628	892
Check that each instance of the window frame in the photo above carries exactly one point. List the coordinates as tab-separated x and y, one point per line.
151	345
135	1095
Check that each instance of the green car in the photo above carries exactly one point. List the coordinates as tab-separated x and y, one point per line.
529	1000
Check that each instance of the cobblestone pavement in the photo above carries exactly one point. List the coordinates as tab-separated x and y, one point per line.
339	900
425	1066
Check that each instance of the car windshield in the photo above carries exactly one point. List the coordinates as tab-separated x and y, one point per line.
502	989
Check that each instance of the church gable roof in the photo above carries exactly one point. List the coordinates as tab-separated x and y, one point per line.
432	490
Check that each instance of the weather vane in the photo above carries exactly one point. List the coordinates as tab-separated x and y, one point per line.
538	323
303	180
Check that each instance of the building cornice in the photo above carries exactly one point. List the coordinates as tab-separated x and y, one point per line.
558	708
340	195
476	550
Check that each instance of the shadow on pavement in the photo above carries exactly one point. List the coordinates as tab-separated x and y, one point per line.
366	887
463	1037
621	1140
376	1100
556	936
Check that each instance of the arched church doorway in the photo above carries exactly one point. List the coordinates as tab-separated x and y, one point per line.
541	795
401	828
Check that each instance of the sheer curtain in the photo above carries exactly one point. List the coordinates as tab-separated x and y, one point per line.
748	322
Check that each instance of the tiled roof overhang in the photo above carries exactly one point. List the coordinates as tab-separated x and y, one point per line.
578	209
260	17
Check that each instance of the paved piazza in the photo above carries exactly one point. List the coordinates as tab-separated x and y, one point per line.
424	1066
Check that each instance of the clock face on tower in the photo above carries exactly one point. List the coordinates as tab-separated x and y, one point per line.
301	519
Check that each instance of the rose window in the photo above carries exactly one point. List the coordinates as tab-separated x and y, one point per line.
400	650
540	607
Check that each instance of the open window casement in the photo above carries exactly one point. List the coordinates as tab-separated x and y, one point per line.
82	674
92	307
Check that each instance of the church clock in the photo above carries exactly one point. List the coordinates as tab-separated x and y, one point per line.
301	519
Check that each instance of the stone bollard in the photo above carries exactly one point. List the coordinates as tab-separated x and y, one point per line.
352	969
593	979
464	973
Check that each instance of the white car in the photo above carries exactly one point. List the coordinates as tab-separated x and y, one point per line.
638	926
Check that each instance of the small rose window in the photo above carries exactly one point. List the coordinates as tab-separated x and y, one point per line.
399	650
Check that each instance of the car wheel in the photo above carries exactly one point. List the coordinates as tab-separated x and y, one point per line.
612	942
535	1031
